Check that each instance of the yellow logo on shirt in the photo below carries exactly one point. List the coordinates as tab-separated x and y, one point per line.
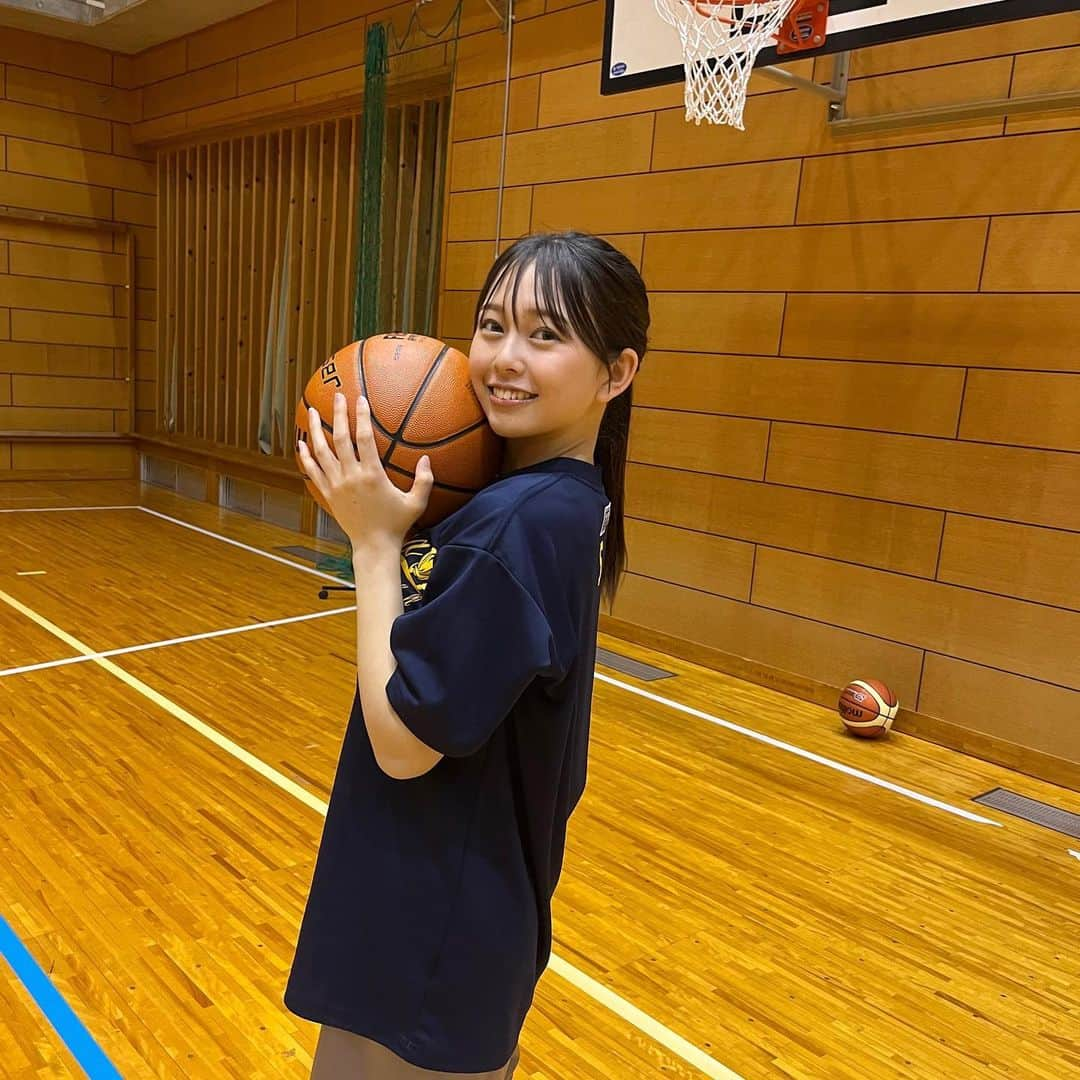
417	562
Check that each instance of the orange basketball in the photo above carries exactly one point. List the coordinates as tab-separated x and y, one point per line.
422	402
868	708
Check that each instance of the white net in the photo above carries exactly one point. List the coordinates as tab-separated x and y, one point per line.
721	41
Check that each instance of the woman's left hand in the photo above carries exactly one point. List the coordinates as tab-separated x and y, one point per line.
352	480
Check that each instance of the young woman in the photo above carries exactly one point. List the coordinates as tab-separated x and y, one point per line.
429	918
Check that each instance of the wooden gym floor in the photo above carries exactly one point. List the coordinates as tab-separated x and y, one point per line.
728	905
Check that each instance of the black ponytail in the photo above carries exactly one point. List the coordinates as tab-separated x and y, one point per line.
594	290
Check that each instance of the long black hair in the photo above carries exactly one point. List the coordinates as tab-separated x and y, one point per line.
595	291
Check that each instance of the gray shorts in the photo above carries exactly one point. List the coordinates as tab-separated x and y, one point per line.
341	1055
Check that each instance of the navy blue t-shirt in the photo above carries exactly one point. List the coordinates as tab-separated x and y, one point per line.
429	918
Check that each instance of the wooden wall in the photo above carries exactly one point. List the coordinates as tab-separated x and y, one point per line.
288	58
66	152
856	442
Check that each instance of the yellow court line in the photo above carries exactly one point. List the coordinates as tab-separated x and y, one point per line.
597	991
180	713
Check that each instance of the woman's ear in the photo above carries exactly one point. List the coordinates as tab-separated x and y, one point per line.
620	374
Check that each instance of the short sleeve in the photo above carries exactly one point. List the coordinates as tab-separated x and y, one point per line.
467	653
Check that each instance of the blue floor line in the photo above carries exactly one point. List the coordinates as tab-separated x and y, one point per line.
56	1010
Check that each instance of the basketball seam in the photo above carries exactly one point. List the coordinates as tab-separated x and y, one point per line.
405	442
395	436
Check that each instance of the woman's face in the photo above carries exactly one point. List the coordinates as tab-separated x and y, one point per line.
566	384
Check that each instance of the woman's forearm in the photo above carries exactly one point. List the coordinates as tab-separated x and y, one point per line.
377	570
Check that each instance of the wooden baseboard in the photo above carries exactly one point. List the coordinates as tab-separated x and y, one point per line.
23	475
65	436
219	459
933	729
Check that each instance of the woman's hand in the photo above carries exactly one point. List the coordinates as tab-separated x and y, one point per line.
352	480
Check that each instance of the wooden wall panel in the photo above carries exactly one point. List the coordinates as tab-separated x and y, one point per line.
1049	72
699	442
68	329
53	261
792	124
66	157
922	256
1032	563
467	263
44	295
51	54
53	126
246	106
479	112
599	148
42	232
319	14
80	165
67	94
829	525
998	631
258	29
569	95
561	39
49	390
785	643
1015	175
91	459
698	560
1040	487
1029	330
50	418
759	194
132	207
471	214
151	65
1033	253
1049	416
733	322
1019	711
55	196
315	54
895	397
36	358
199	87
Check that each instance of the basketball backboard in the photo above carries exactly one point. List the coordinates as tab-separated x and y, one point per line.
641	50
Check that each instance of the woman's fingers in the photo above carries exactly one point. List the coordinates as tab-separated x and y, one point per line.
320	448
366	450
343	445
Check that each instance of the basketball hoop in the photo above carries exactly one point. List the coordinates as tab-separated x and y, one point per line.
721	40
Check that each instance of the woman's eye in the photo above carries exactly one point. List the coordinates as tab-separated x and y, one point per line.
490	325
546	334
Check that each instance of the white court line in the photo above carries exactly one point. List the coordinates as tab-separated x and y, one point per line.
858	774
641	1020
61	509
177	521
750	733
800	752
607	998
173	641
180	713
246	547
